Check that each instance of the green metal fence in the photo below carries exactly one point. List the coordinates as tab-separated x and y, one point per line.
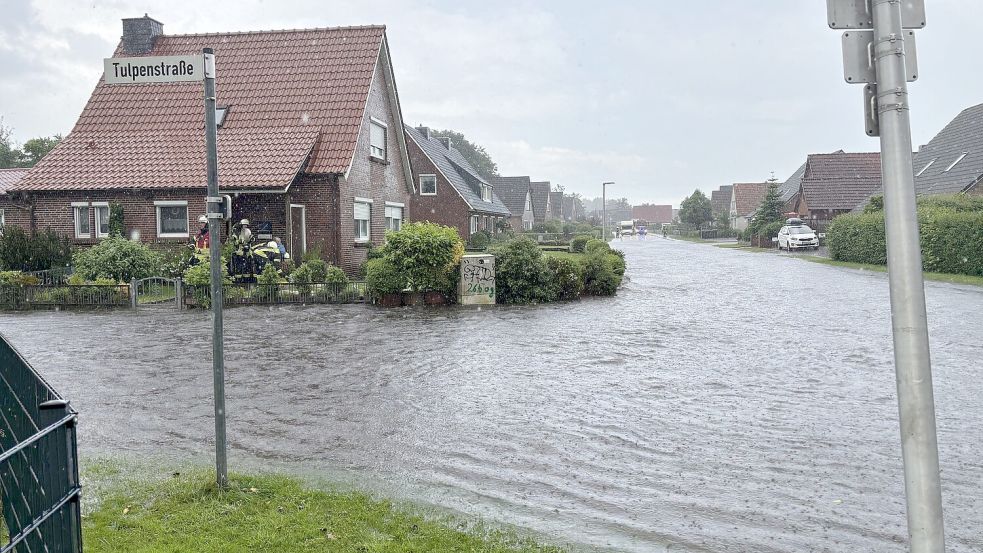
275	294
67	295
39	482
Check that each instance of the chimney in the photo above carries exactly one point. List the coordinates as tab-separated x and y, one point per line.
425	131
445	141
139	34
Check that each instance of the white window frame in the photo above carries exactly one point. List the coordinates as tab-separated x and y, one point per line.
373	122
368	222
434	193
958	159
486	195
474	224
76	209
528	201
172	203
98	220
3	221
401	208
929	164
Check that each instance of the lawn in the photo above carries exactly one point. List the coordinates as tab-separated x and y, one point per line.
187	512
939	277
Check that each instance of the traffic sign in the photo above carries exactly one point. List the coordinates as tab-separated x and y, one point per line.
858	56
858	14
154	69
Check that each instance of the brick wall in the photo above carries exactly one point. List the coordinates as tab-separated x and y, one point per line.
319	196
447	207
379	181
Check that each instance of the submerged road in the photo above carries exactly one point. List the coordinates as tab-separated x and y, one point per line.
723	401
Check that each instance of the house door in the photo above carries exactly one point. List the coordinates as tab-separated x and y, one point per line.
298	232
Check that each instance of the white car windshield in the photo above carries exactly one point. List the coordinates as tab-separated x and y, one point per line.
800	230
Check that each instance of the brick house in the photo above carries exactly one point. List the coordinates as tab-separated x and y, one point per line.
556	205
310	144
720	202
516	194
541	204
449	190
652	214
745	200
837	183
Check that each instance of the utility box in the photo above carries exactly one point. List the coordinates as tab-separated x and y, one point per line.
477	280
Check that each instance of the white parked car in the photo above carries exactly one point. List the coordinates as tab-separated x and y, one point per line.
796	235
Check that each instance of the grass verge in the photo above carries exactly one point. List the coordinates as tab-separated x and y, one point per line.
937	277
272	513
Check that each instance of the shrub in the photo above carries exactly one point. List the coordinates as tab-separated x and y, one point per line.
17	278
383	278
617	263
118	259
565	279
480	240
270	275
553	226
313	270
600	274
858	238
116	226
578	244
425	253
336	277
199	277
43	251
594	245
521	273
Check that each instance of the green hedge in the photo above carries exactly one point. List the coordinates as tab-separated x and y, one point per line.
951	229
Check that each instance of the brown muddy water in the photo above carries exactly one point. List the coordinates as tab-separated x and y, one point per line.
723	401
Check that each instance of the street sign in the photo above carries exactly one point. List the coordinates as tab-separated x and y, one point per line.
858	56
154	69
857	14
872	120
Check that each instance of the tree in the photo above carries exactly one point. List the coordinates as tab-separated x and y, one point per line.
9	156
696	210
36	148
476	155
770	210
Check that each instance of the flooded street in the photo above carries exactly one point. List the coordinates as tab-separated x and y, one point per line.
723	401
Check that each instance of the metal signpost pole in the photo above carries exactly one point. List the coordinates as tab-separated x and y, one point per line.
214	215
916	402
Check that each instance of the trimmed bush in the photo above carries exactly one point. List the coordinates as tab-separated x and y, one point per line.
383	278
426	254
565	279
118	259
17	278
270	275
601	276
578	244
521	273
336	277
858	238
313	270
480	240
594	245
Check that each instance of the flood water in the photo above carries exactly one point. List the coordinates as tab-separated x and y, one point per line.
723	401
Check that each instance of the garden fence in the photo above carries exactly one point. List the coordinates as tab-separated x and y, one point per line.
39	481
276	294
67	295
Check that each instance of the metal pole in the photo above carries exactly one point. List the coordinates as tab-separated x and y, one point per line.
916	403
604	211
214	215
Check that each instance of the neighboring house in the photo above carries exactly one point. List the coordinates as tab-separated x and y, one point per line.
652	214
745	200
10	212
541	205
516	194
836	183
449	190
720	201
789	190
573	209
310	144
953	161
556	206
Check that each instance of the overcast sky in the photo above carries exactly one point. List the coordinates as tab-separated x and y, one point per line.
660	97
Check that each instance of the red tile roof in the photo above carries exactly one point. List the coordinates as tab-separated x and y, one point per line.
10	177
748	196
290	94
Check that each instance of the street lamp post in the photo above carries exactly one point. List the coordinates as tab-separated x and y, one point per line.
604	210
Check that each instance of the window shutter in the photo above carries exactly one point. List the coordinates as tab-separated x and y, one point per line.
362	210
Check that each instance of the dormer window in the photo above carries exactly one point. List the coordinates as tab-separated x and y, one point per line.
377	139
486	194
220	113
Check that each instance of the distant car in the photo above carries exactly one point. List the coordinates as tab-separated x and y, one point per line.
797	236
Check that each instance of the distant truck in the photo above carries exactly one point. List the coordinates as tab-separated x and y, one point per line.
626	228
